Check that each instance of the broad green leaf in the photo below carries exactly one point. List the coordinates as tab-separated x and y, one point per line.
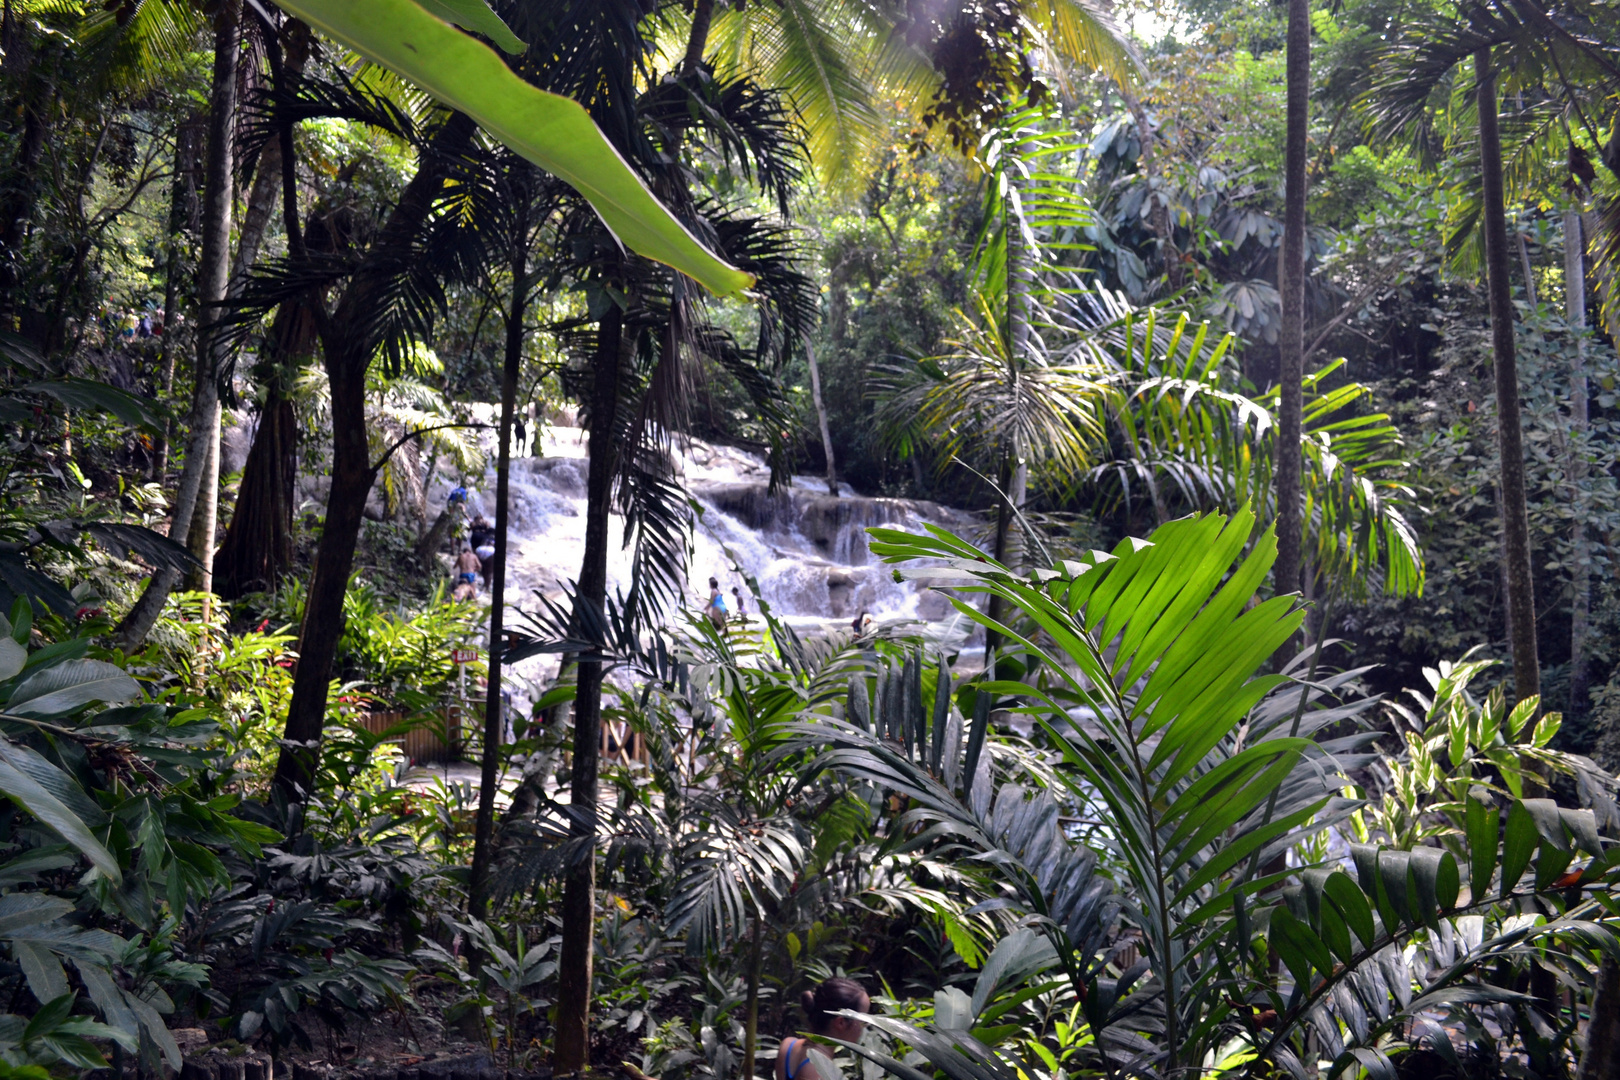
18	910
13	657
1336	934
1518	845
1483	825
1299	948
26	868
1551	865
87	395
28	793
1548	821
108	997
1582	825
75	1049
552	131
1434	873
1352	905
46	979
1546	728
71	685
50	1016
1521	714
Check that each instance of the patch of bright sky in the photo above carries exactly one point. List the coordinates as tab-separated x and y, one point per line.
1153	22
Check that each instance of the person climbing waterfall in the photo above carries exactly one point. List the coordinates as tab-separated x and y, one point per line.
716	611
468	567
742	610
482	537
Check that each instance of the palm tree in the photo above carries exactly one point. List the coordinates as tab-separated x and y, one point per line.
386	294
1509	433
1000	397
634	387
1003	411
501	205
1291	286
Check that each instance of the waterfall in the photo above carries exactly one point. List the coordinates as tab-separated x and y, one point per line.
806	549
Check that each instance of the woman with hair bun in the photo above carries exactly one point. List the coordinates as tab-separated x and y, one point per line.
821	1007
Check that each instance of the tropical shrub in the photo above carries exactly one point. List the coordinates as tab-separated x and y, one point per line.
1146	684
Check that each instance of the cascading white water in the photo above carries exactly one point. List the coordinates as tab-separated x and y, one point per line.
806	549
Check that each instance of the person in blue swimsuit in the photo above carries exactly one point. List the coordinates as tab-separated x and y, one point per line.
795	1058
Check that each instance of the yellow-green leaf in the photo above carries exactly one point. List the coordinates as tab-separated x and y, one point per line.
552	131
475	15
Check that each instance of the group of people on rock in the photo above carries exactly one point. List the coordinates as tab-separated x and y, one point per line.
475	561
125	327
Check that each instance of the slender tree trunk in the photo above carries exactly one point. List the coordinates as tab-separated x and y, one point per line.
1526	270
1014	473
1581	573
346	351
1600	1060
1510	439
702	16
756	945
257	549
579	889
1020	290
214	285
182	209
258	545
1291	286
821	417
213	272
484	830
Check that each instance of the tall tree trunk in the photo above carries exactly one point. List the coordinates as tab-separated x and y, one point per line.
484	829
346	352
197	498
579	889
1014	473
1579	422
258	544
1291	286
756	945
702	16
214	286
1600	1059
821	417
1020	290
182	211
1510	438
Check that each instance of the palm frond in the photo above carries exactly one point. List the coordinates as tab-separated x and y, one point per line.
820	56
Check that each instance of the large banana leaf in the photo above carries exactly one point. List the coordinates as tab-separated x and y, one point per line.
552	131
